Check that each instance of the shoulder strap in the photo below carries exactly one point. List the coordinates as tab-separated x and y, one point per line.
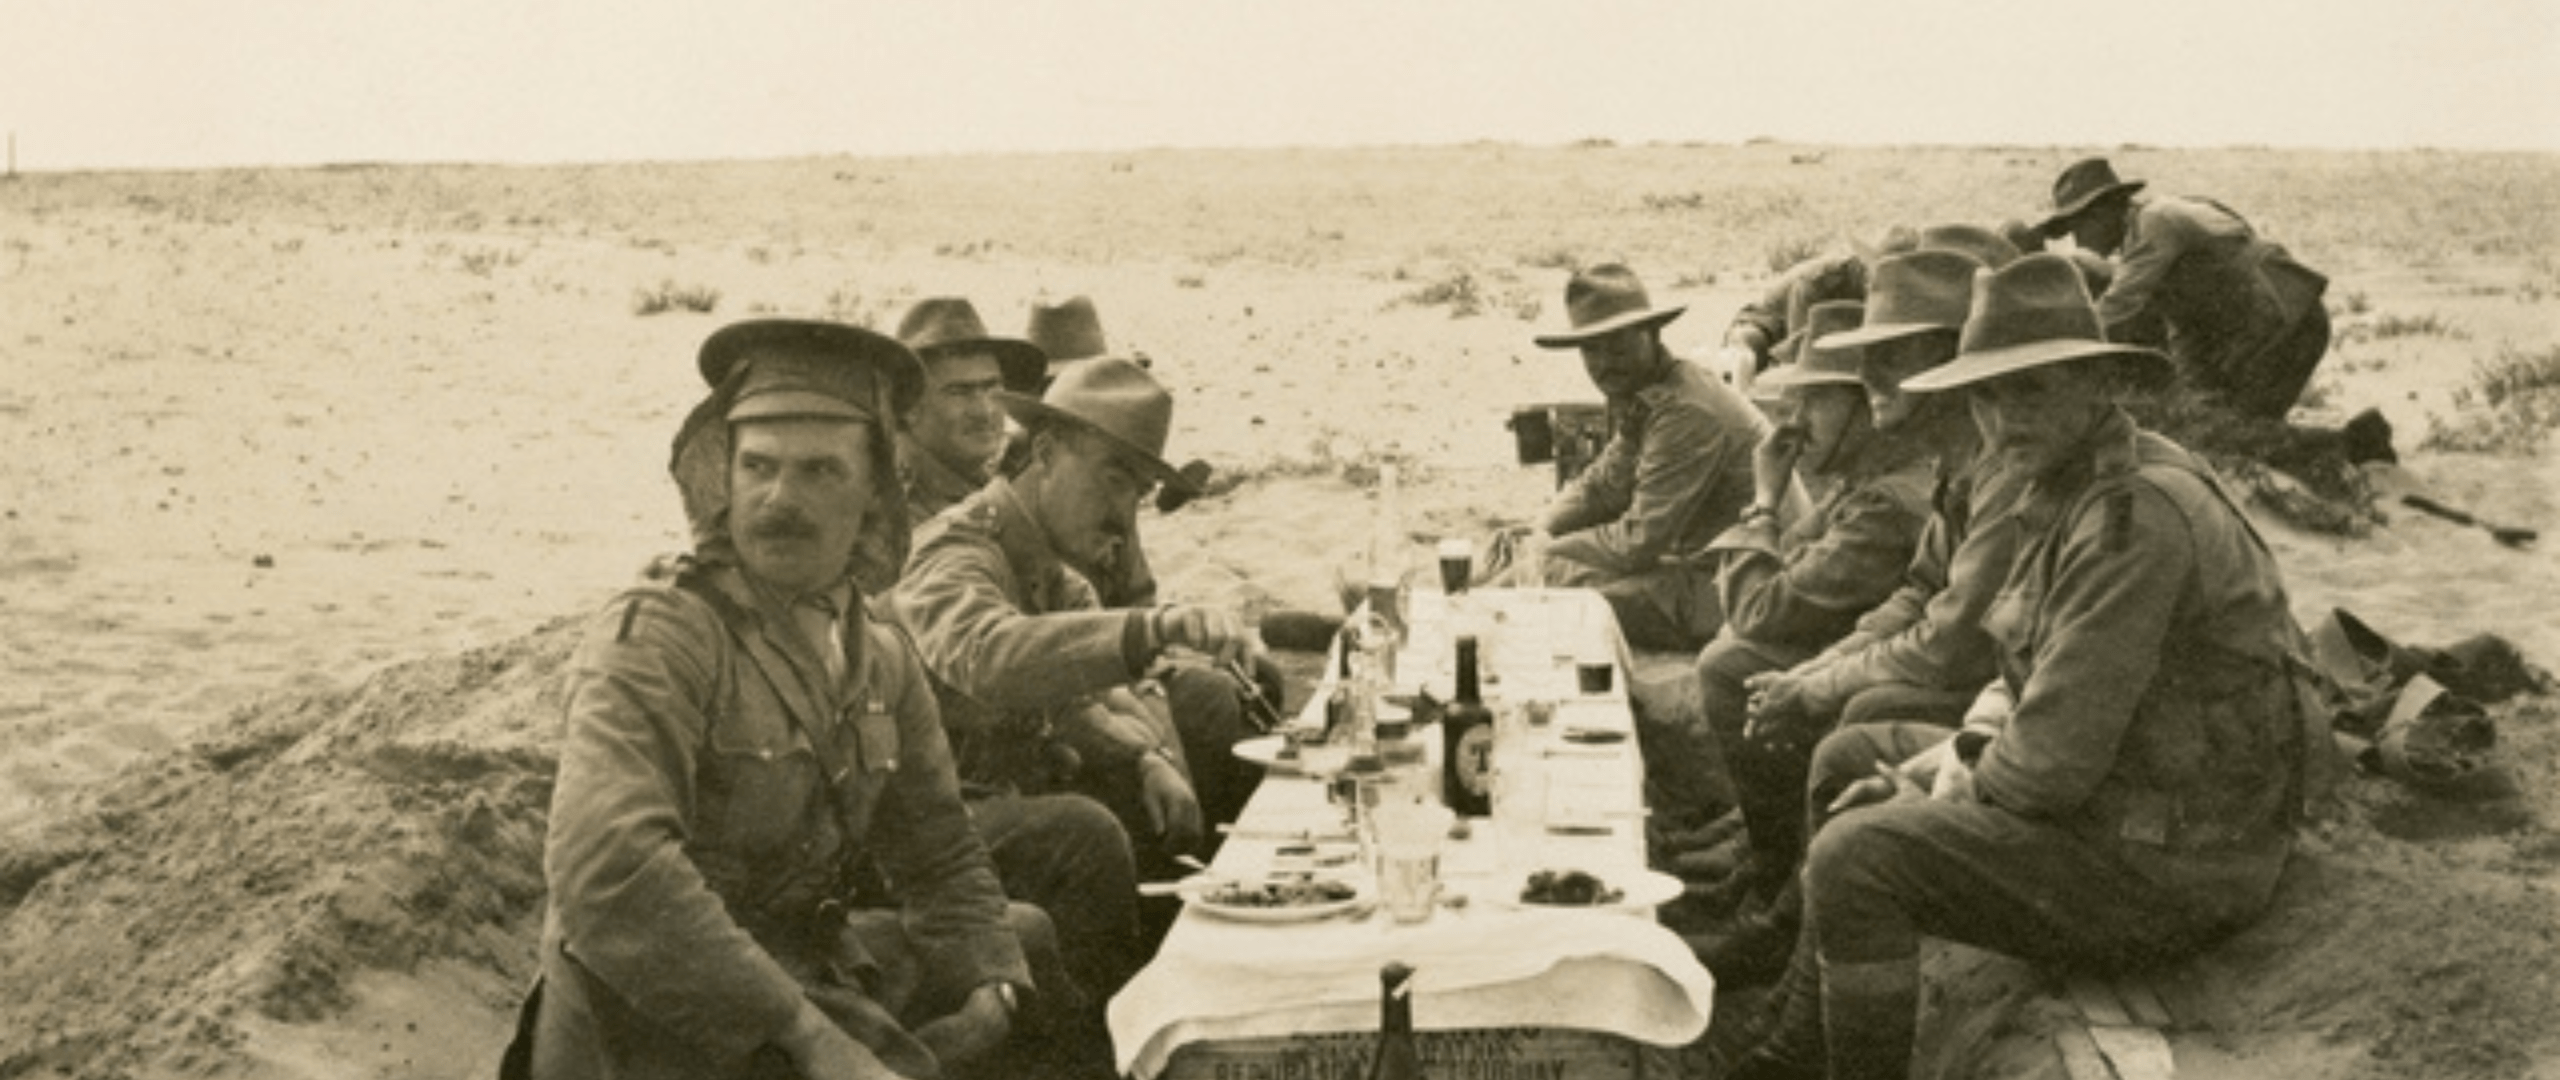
741	622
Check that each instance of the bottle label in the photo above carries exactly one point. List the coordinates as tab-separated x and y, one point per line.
1474	759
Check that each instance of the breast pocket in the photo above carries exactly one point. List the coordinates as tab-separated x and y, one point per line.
758	783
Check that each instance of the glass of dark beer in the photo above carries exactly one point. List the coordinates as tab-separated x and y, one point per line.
1457	564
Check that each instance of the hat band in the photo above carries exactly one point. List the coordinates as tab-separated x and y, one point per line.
2030	325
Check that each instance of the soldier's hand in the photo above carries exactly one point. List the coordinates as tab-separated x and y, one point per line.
1172	808
1217	633
1888	785
1777	706
968	1033
1737	364
1773	461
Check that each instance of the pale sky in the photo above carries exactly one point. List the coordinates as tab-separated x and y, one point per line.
185	83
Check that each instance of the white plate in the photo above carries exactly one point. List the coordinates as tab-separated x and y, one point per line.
1641	890
1264	750
1198	900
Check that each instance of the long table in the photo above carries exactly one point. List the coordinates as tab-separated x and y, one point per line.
1502	988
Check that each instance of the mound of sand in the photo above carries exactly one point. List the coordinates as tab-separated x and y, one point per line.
312	868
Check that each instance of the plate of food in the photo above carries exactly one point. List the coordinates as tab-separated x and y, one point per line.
1281	898
1620	889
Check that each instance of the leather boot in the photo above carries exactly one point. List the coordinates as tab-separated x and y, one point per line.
1791	1047
1757	946
1870	1013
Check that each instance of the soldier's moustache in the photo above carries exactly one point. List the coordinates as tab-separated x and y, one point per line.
785	523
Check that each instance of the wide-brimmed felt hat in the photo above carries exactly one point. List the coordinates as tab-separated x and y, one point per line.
803	368
1991	248
948	324
1115	398
1067	331
1911	294
1816	362
1604	299
2031	313
2080	186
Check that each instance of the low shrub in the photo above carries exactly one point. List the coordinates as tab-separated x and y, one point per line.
668	296
2510	407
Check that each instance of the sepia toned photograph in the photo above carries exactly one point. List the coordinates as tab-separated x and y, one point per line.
1203	541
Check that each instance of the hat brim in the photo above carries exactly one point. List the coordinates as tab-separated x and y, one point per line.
1971	368
1575	337
2059	222
1869	335
1021	364
1786	375
1031	412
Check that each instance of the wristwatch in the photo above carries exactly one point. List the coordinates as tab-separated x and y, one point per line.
1756	511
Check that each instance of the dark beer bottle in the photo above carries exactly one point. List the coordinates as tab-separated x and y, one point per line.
1396	1058
1466	741
1337	705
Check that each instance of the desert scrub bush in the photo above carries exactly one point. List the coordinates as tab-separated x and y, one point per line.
1464	295
2386	327
668	296
484	260
1785	255
1658	203
2541	281
2509	408
845	306
1554	258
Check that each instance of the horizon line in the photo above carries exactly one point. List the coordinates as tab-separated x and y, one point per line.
1588	143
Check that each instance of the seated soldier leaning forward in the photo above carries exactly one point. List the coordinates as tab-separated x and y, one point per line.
1790	587
1070	333
2138	803
740	740
1064	853
1045	688
1676	471
2244	323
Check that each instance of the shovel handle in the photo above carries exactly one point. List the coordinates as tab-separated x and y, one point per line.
2431	506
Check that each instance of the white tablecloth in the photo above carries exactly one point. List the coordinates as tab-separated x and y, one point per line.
1486	964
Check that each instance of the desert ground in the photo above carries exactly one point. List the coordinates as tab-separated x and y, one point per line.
318	468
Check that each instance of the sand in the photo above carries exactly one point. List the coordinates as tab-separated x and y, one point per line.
311	469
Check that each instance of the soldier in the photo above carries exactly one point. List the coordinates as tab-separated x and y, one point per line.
952	437
2137	802
1675	473
1790	587
1921	654
739	738
1026	658
1062	852
2244	322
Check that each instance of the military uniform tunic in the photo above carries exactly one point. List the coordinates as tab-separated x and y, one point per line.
2139	802
1675	474
698	860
